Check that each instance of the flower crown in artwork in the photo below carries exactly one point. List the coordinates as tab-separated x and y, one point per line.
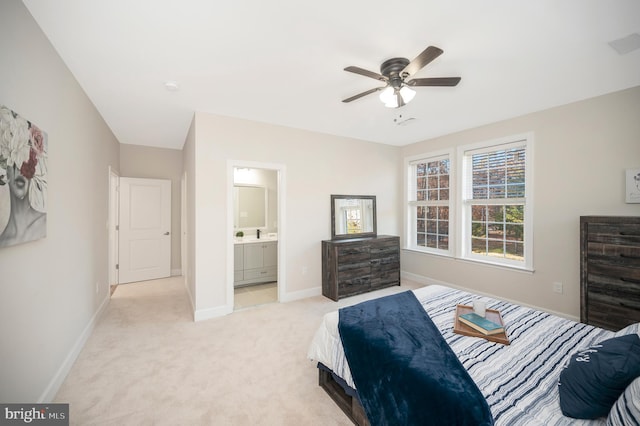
24	145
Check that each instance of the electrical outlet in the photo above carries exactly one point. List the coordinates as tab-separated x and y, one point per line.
557	287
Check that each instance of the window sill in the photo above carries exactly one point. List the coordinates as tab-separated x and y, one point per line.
473	261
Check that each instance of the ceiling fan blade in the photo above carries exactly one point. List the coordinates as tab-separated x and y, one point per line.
428	55
366	73
438	81
359	95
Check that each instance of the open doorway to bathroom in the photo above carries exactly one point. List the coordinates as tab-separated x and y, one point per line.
255	241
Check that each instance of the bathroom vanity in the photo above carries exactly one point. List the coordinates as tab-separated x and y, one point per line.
255	261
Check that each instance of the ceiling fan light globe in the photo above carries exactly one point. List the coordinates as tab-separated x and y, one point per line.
388	95
407	94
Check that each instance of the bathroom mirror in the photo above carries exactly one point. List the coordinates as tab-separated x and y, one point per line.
250	202
353	216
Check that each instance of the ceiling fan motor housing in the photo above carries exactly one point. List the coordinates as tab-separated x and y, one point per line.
391	69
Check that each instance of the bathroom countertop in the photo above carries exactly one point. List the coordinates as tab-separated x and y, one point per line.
252	239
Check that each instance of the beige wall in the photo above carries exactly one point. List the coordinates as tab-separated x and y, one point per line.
317	165
158	163
581	151
48	294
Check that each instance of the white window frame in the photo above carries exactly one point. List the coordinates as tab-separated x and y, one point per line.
463	223
411	202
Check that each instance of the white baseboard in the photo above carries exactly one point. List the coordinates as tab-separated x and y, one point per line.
430	281
209	313
54	385
302	294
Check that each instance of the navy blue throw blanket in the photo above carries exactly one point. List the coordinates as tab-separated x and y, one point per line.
404	371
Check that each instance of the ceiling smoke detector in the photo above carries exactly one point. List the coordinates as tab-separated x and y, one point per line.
402	121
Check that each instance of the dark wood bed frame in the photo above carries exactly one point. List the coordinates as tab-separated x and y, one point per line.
350	405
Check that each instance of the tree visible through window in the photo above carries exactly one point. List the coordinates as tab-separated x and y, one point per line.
495	202
492	203
430	203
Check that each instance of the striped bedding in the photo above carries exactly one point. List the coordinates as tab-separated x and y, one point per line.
519	381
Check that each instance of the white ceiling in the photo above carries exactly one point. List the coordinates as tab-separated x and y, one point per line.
282	61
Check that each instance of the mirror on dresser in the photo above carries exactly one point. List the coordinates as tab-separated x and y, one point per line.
353	216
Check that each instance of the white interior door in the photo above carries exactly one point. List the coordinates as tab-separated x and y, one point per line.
145	229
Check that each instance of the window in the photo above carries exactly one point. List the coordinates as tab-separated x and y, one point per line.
353	220
495	212
429	204
490	220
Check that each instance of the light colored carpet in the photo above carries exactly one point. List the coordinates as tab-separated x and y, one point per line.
148	363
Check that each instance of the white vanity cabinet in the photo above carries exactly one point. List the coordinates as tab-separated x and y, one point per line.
238	262
255	262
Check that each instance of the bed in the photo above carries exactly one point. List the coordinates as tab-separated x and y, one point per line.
519	381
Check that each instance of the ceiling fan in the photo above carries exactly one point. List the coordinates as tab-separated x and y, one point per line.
395	71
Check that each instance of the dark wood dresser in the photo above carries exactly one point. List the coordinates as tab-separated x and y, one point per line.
610	271
359	265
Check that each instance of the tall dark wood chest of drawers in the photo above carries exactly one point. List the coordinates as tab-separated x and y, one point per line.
359	265
610	271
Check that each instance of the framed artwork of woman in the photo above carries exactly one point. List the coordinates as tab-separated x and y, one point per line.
23	180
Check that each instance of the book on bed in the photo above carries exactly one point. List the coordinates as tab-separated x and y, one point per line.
491	314
481	324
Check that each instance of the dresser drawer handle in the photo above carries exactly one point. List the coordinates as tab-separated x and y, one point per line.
629	234
630	280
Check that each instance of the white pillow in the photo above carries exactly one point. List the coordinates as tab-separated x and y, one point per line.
626	410
630	329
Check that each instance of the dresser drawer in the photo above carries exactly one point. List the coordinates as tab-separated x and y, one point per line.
385	264
353	254
597	271
614	254
611	316
614	233
386	278
612	287
385	248
348	286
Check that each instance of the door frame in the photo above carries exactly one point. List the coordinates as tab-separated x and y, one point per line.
184	238
113	223
280	169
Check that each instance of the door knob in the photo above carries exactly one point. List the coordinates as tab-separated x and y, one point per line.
166	233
